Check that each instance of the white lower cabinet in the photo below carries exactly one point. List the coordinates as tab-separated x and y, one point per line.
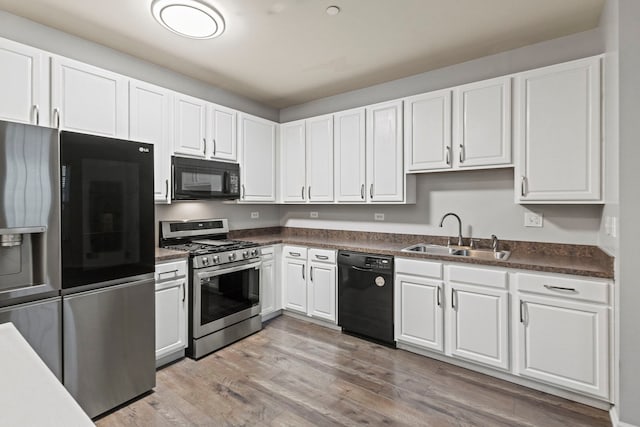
269	291
171	311
310	279
563	332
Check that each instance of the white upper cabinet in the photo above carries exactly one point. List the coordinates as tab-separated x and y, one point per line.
150	120
350	160
23	84
258	163
558	133
222	139
427	129
385	173
293	147
190	126
88	99
319	142
482	129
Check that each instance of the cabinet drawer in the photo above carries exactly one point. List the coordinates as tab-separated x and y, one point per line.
322	255
418	268
170	270
295	252
558	286
478	276
266	250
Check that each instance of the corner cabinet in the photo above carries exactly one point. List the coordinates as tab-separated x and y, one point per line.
88	99
258	159
171	311
24	84
151	121
385	172
558	135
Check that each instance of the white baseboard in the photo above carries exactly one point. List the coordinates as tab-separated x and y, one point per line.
615	418
324	323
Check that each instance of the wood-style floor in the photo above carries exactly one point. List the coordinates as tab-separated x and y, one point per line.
294	373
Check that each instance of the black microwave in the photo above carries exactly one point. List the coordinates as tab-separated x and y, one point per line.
198	179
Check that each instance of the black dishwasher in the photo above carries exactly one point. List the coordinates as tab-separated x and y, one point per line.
365	296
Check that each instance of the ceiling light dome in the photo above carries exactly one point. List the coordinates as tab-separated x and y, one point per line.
189	18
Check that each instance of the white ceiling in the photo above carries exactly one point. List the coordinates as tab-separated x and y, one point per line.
287	52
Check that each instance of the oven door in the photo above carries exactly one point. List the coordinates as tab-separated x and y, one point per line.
225	296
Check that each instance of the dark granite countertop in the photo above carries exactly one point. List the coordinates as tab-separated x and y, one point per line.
581	260
163	254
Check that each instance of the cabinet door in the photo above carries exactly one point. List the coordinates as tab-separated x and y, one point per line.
258	165
319	136
322	291
350	159
222	131
190	126
267	286
171	317
295	285
385	174
88	99
150	120
418	313
427	128
23	84
293	161
483	123
558	133
479	324
565	343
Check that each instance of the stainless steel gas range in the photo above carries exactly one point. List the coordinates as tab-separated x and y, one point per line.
224	283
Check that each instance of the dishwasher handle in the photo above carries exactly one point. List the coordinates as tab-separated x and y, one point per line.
361	269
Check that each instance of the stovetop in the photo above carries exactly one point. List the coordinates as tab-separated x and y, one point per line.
206	246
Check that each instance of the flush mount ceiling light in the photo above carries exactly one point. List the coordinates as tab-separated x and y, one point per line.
333	10
189	18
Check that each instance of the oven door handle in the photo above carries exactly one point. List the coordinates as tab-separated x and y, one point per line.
248	266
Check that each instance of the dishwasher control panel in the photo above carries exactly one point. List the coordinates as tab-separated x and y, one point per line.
377	263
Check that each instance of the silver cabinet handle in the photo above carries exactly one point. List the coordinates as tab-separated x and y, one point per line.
322	257
36	114
168	272
438	296
523	191
296	254
56	117
311	273
184	292
244	191
214	147
309	193
453	295
204	151
371	191
166	189
462	153
303	192
560	288
521	311
302	272
448	155
362	191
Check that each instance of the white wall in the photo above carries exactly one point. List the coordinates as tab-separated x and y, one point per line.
31	33
484	200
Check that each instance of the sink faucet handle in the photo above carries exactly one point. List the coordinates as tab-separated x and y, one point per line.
472	242
448	241
494	242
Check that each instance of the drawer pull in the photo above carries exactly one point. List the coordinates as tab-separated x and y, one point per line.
322	257
560	288
168	272
294	253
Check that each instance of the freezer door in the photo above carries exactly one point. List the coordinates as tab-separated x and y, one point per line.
109	345
39	324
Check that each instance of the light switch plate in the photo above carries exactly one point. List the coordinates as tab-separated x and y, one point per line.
255	215
313	214
532	219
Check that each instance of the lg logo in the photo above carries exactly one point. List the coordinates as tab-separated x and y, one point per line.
143	150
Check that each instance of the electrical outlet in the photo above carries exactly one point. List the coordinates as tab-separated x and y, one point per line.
255	215
614	227
532	219
313	214
378	216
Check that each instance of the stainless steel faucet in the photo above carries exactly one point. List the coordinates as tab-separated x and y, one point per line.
459	225
494	243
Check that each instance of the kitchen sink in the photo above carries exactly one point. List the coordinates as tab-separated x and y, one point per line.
461	251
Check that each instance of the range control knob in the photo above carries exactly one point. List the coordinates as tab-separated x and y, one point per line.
254	252
232	257
216	259
205	260
245	254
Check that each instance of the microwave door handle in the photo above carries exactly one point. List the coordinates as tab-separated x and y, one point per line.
226	184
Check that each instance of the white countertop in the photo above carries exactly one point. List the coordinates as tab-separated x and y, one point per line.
30	394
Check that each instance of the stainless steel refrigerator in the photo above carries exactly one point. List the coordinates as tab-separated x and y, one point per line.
107	247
